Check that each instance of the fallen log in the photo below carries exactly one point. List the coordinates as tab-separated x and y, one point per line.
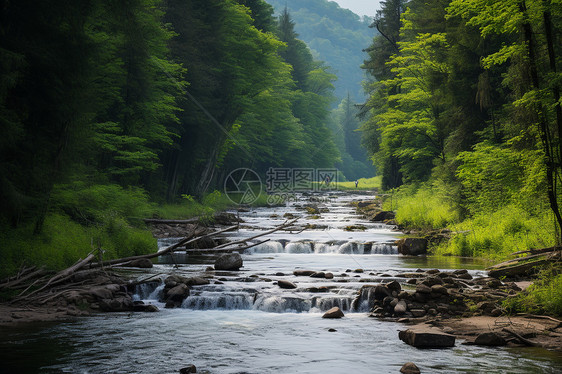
536	251
189	239
59	277
286	224
521	269
22	279
515	260
520	338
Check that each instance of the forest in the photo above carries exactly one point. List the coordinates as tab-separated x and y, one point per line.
465	122
111	110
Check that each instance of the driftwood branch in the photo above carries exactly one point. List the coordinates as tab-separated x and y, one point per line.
520	338
286	224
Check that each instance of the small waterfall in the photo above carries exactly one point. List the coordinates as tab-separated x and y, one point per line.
267	247
323	304
364	300
148	291
224	301
384	249
299	247
281	304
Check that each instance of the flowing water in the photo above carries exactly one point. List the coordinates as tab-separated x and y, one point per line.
242	322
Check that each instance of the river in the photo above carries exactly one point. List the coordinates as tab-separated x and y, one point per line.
242	322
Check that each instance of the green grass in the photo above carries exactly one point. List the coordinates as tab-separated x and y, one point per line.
63	241
542	297
497	234
421	208
364	184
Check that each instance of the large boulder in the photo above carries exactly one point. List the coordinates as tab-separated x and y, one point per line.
427	338
188	369
412	246
178	293
229	261
383	216
118	304
335	312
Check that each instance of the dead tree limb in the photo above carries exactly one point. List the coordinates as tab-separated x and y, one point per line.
286	224
520	338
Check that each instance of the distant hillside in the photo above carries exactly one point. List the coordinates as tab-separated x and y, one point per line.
336	36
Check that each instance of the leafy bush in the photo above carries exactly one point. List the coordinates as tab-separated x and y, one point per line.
543	296
63	241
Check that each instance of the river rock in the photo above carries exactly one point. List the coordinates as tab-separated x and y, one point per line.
143	263
335	312
101	292
118	304
417	312
412	246
286	284
329	276
229	261
148	308
381	292
303	273
422	288
439	289
178	293
426	338
188	369
400	307
195	281
409	368
318	274
490	339
394	286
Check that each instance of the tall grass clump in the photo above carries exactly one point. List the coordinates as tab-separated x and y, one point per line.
499	233
364	184
421	207
544	296
189	207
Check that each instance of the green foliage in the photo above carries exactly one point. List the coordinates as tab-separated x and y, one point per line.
543	296
63	242
497	234
424	207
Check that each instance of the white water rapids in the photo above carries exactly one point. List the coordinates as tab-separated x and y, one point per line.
242	322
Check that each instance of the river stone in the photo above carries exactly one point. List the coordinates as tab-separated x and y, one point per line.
303	273
335	312
118	304
318	274
383	216
148	308
426	338
101	293
490	339
329	276
143	263
381	292
409	368
422	288
439	289
400	307
286	284
394	286
196	281
412	246
229	261
178	293
417	312
188	369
